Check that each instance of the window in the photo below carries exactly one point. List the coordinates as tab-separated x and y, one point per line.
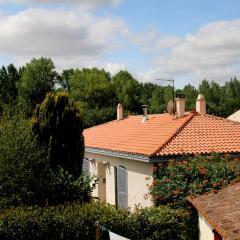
121	187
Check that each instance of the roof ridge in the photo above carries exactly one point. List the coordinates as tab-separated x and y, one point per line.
192	114
221	118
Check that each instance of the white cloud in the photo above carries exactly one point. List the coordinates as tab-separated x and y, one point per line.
114	68
71	38
83	3
211	53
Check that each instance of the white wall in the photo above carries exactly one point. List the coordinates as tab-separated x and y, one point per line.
205	230
139	175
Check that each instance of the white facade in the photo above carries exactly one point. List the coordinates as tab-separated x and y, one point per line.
139	177
205	230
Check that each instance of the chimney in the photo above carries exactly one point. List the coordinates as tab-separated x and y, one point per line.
145	116
119	112
201	104
180	105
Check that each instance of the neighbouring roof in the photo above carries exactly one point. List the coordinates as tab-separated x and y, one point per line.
235	116
221	210
165	135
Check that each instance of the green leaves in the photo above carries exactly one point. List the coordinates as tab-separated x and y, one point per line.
173	183
76	221
59	126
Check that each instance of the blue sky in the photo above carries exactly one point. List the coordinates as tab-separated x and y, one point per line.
182	39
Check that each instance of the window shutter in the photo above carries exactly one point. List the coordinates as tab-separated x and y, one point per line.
122	187
85	165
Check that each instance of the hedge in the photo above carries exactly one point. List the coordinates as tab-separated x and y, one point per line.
76	221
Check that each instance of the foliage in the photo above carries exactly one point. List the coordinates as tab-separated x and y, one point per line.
8	85
127	90
77	221
174	182
18	153
59	126
26	176
38	78
91	86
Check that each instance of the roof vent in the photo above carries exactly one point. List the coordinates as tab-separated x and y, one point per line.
145	116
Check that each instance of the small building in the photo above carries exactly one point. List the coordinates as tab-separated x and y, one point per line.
235	116
123	152
219	214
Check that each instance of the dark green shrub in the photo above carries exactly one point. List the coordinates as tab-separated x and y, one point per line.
179	179
77	221
25	173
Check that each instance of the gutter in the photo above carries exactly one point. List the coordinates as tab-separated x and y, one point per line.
151	159
137	157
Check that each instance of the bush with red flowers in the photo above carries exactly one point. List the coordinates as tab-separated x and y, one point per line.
176	180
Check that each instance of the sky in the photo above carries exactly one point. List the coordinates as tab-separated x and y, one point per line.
184	40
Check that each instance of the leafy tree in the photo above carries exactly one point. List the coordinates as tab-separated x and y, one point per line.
58	124
65	77
191	94
38	78
8	85
127	91
19	152
92	87
158	103
232	89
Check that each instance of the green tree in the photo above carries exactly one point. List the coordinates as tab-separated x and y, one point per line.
191	94
8	84
92	87
58	124
127	91
38	78
19	153
232	89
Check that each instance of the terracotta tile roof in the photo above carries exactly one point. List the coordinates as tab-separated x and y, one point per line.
221	210
132	136
164	135
205	134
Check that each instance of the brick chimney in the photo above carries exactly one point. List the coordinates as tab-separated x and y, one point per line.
119	112
201	104
180	105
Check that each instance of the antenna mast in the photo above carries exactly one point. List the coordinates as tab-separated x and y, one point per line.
171	80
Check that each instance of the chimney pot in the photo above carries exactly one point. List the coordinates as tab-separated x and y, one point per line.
180	105
119	112
201	104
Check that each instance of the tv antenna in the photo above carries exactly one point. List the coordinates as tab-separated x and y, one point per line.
171	104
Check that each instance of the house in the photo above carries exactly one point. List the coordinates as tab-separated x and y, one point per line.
219	214
123	152
235	116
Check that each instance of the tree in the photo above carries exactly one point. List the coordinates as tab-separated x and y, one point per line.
58	124
8	84
38	78
158	103
92	87
191	94
127	91
19	153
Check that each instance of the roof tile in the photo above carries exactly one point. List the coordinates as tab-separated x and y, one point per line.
164	135
221	210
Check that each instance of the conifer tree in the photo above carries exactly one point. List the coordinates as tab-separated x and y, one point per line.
59	126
